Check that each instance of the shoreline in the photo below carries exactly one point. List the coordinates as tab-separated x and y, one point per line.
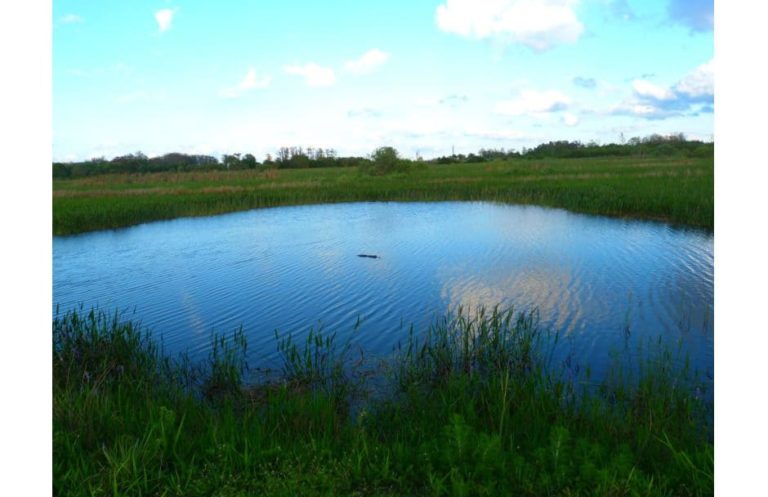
666	190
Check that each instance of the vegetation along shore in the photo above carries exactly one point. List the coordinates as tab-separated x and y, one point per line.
657	178
473	406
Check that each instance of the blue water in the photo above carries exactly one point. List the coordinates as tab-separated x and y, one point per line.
595	280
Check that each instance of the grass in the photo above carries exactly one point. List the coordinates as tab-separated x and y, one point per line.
676	190
472	406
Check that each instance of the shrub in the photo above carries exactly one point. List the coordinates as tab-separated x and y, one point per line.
387	160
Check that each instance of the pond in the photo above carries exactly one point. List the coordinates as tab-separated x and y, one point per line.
595	280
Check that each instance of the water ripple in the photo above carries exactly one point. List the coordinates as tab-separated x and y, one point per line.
295	268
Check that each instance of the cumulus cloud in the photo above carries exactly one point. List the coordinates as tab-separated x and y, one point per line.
251	81
313	74
368	62
651	101
534	103
647	90
538	24
699	15
70	19
699	83
164	17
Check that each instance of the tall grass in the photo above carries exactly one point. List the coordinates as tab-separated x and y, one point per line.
680	191
474	406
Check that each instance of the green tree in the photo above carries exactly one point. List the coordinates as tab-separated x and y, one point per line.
386	160
249	161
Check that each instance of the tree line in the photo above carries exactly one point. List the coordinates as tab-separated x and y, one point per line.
675	145
382	161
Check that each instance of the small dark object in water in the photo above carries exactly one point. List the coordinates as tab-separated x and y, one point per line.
368	256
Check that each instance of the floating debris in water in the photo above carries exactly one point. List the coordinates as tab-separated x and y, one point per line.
369	256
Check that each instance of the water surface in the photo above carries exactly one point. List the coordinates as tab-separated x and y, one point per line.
593	279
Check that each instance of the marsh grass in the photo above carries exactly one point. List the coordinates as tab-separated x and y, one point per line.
679	191
476	405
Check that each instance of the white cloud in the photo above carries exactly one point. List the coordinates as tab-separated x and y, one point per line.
365	112
538	24
644	88
495	134
313	74
70	19
251	81
368	62
696	90
454	100
700	82
533	103
164	17
570	119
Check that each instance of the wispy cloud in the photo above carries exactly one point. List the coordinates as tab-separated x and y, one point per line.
364	112
538	24
454	100
71	19
494	134
368	62
313	74
570	120
251	81
699	15
164	18
621	9
588	83
534	103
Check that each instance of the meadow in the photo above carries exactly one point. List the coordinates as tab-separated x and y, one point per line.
677	190
474	406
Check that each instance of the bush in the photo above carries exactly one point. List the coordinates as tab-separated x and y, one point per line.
387	160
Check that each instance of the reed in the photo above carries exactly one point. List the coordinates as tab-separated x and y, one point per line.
477	405
676	190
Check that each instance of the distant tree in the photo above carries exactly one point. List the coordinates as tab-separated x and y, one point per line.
61	171
283	154
386	160
249	161
231	161
299	161
472	158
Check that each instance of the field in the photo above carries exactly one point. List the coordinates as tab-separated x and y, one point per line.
677	190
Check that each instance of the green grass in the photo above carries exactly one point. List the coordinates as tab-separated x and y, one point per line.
676	190
473	406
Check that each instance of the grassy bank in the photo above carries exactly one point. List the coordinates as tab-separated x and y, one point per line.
676	190
473	407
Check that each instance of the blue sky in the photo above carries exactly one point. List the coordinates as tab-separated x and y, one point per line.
424	76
